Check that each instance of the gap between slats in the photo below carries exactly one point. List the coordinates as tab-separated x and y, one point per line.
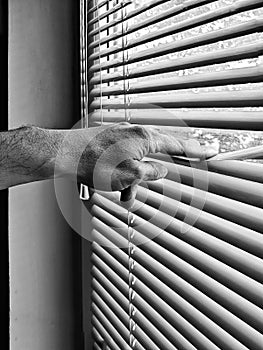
239	6
186	309
146	232
249	27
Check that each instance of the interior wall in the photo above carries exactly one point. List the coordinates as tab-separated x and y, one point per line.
4	268
41	92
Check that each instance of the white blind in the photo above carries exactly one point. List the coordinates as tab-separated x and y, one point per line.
185	269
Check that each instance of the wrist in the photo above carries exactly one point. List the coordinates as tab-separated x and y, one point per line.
36	152
48	143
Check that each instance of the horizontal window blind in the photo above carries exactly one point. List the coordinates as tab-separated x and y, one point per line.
184	269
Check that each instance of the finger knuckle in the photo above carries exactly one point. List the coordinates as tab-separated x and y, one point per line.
140	131
135	170
129	170
155	170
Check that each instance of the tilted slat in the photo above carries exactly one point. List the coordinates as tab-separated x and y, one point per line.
247	153
198	285
215	204
221	339
108	304
243	98
143	322
117	7
138	346
244	170
227	163
182	324
119	241
145	340
173	11
135	12
97	337
239	6
110	287
166	295
96	346
103	332
161	324
199	294
227	77
188	293
237	258
97	6
251	241
122	256
236	304
222	273
239	236
197	175
154	333
122	271
204	59
110	329
99	343
120	297
214	311
250	120
249	27
111	315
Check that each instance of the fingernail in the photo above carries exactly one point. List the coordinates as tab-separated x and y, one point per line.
212	150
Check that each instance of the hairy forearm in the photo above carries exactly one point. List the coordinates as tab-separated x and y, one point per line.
108	158
27	154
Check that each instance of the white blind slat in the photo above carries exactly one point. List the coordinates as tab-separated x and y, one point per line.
184	270
145	232
189	312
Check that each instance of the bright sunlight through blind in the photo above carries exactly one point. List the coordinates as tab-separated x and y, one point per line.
184	270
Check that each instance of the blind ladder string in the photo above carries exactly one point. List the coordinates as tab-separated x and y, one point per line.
130	216
86	112
101	109
99	33
124	39
84	193
82	62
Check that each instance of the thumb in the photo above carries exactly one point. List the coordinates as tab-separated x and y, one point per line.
195	150
149	171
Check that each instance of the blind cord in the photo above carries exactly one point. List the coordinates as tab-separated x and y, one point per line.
123	61
86	113
130	216
101	112
82	62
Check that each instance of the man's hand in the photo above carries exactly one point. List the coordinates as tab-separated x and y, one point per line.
107	158
112	156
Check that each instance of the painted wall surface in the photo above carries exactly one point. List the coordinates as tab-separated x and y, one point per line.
40	93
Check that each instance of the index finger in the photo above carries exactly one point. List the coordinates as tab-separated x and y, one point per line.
173	143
